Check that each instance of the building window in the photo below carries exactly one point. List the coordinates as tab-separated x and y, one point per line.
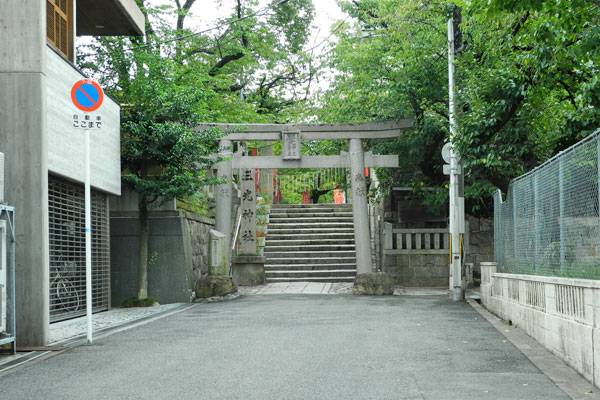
59	26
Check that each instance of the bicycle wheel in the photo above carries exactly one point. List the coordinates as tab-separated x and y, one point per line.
67	295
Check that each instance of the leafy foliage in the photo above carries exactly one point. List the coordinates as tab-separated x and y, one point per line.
527	86
135	302
173	79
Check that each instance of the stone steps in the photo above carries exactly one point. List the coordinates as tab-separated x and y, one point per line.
312	225
335	279
332	248
312	206
312	236
307	230
315	273
295	253
311	220
310	243
310	260
311	214
310	267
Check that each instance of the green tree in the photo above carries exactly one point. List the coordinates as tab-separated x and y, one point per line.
527	86
529	83
391	65
173	79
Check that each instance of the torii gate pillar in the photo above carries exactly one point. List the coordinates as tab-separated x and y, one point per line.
362	239
223	195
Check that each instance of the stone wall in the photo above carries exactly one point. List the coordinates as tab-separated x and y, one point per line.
418	270
481	242
198	228
428	270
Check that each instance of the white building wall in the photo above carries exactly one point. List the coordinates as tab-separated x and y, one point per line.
66	153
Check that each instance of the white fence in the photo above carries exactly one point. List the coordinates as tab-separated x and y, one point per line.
562	314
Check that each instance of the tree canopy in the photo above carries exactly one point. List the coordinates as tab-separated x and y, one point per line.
248	70
527	85
527	78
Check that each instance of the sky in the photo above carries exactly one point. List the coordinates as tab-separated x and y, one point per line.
206	12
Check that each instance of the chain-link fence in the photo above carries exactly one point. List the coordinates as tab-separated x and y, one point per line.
548	224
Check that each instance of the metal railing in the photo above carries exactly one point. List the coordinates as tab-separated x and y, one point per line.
549	222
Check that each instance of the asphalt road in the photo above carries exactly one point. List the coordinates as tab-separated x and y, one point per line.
295	347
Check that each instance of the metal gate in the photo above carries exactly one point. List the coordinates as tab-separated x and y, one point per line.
66	204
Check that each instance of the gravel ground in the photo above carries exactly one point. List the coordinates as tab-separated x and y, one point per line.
65	330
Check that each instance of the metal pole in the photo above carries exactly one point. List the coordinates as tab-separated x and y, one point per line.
515	232
13	297
561	219
88	239
598	198
456	261
536	223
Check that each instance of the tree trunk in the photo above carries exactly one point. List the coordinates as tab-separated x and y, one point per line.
143	250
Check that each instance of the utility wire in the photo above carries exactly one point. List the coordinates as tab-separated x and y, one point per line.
333	31
255	14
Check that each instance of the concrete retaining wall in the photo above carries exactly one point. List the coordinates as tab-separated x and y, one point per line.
178	245
562	314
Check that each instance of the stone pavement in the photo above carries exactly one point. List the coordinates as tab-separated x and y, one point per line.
328	288
298	288
295	346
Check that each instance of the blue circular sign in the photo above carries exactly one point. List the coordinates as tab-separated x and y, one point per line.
87	95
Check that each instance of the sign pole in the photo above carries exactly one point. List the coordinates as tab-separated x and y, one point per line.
88	239
87	96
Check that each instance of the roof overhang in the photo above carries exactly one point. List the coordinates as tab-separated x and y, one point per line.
109	18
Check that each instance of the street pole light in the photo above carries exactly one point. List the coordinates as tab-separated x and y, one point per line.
456	179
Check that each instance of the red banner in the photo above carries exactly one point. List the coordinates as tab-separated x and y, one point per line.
305	197
338	196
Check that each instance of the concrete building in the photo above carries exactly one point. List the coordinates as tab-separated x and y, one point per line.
41	136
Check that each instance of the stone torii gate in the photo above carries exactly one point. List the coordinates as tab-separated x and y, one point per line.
291	136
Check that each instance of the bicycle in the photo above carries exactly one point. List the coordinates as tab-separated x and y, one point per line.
62	287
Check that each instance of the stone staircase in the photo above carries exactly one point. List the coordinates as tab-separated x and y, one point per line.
310	243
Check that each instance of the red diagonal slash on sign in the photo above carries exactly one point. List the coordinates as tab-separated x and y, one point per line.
86	95
77	87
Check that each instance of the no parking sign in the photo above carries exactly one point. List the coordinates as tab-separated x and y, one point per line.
87	95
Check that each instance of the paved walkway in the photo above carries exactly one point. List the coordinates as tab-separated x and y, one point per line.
327	288
295	346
